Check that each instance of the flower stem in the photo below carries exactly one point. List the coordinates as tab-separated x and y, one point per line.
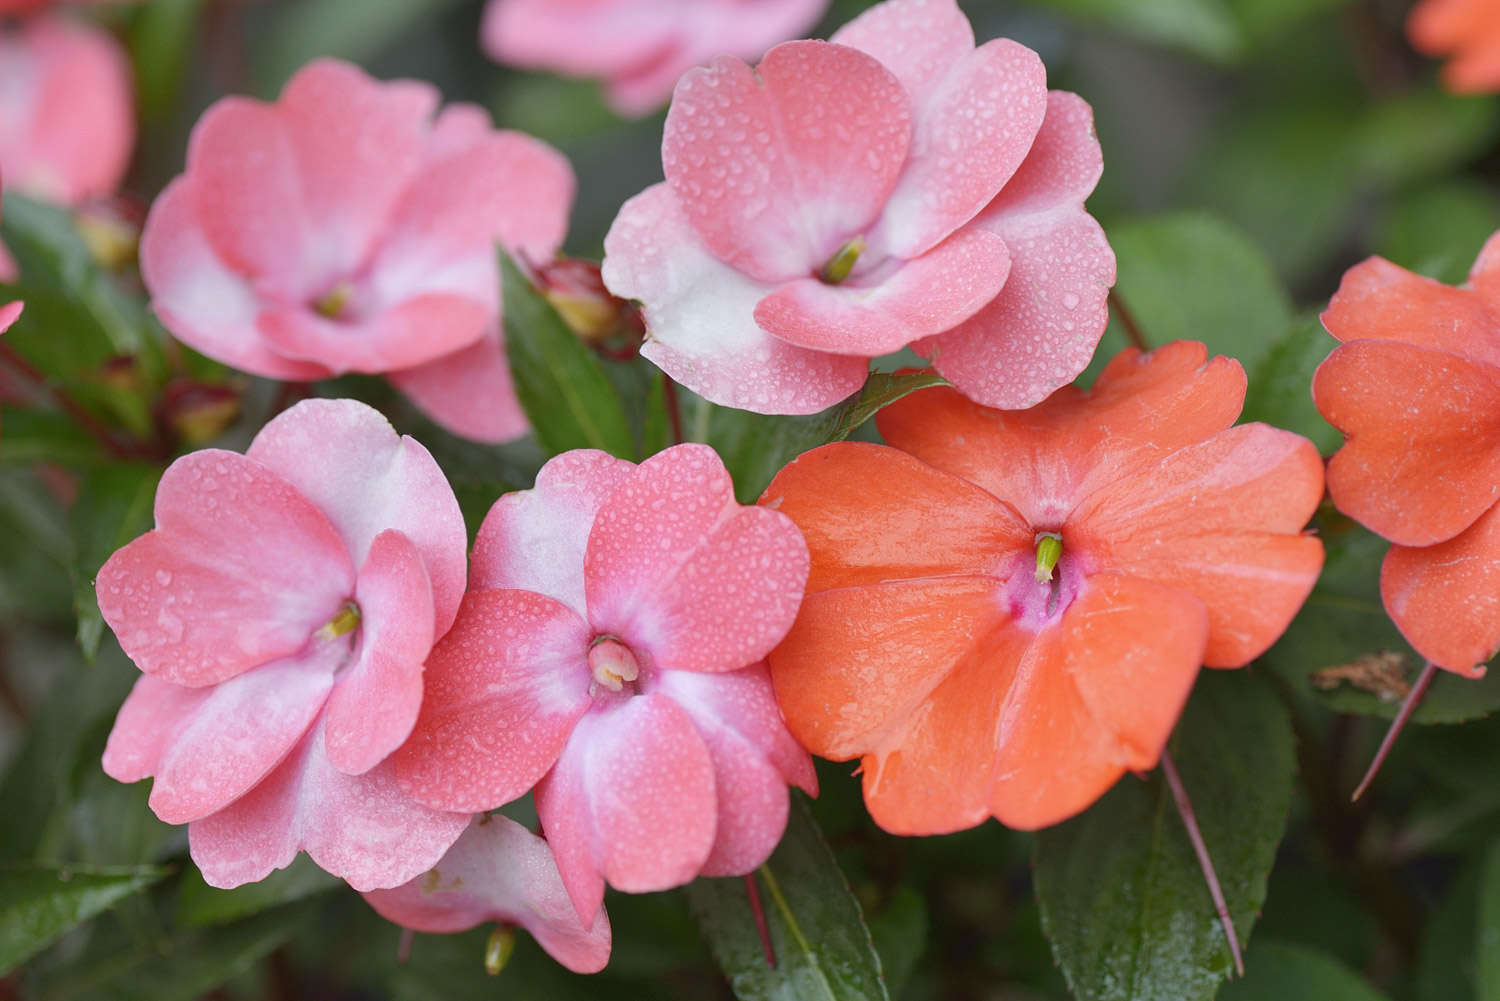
1190	821
1413	699
760	919
1127	321
674	412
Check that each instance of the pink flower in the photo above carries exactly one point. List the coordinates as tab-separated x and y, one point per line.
281	611
612	645
895	186
345	229
638	48
67	110
499	871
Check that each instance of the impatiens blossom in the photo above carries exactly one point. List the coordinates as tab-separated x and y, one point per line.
1468	32
344	228
67	110
1415	387
638	48
1006	610
611	646
281	612
895	186
499	871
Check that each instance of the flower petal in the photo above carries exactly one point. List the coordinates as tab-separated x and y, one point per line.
346	458
374	705
1445	599
503	690
1378	300
241	570
871	514
917	40
468	392
499	871
1419	461
1062	166
414	332
145	726
936	291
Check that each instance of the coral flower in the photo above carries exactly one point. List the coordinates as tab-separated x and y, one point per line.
894	186
1415	387
638	48
1007	610
1468	31
67	110
499	871
281	612
612	646
345	229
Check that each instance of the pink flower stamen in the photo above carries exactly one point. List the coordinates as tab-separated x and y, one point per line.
612	664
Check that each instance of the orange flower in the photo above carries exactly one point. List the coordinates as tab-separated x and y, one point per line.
933	645
1466	30
1415	387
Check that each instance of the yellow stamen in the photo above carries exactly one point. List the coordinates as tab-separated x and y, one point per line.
345	622
612	663
335	300
1048	552
842	262
498	949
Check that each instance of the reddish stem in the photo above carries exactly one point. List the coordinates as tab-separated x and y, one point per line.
1190	821
674	412
1413	699
1127	320
70	406
760	918
403	948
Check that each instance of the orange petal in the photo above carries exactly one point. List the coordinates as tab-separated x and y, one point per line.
1095	697
1044	459
1219	520
872	514
1378	300
1445	599
858	660
1420	462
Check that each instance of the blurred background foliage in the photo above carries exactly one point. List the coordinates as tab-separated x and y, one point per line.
1254	149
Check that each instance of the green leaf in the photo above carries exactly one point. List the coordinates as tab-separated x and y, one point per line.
1191	276
39	903
160	36
32	436
823	948
1487	932
559	381
1123	899
1280	385
1221	30
199	904
1445	967
1438	231
356	30
1278	972
114	506
899	930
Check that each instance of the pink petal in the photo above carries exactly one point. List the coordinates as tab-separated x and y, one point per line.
241	570
631	801
503	690
374	705
357	142
700	322
9	314
499	871
928	295
204	303
920	41
777	167
146	725
361	828
677	568
535	539
348	460
221	747
412	333
1041	330
578	37
754	757
971	135
1062	167
468	392
456	128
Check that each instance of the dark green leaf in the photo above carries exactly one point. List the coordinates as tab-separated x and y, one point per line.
1280	386
39	903
1221	30
32	436
1278	972
560	382
200	904
823	948
899	930
1438	231
1123	899
356	30
114	506
1487	931
160	37
1446	960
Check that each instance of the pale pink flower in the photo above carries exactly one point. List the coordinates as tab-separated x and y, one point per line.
895	186
67	110
612	645
499	871
282	610
344	228
638	48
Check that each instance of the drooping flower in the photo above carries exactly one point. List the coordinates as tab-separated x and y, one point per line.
894	186
1415	388
1006	610
637	48
344	228
1465	31
499	871
611	646
281	612
67	110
